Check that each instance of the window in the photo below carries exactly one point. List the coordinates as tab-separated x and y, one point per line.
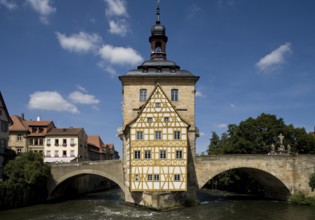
56	153
19	137
41	141
147	154
176	135
64	142
176	177
56	142
4	126
139	135
64	153
179	154
72	153
19	151
149	177
137	154
34	129
143	95
156	177
157	105
166	119
35	142
158	135
174	94
136	177
40	130
72	142
48	142
149	120
48	153
162	154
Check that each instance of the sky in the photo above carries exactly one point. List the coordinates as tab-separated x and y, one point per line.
60	59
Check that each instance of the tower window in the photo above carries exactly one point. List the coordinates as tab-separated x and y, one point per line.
156	177
143	95
179	154
174	94
158	135
137	154
162	154
176	177
147	154
176	135
139	135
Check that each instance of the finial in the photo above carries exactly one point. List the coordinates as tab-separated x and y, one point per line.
158	12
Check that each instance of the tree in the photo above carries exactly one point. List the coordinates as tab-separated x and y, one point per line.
25	181
255	136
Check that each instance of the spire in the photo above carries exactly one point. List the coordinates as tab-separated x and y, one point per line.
158	38
158	12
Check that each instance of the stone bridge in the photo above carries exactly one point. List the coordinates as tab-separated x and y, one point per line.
280	175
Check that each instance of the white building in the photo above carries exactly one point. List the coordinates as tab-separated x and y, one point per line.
63	145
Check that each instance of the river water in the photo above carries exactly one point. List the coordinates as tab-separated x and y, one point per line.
109	205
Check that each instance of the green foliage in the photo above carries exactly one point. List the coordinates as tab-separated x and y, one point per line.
301	199
311	182
25	181
255	136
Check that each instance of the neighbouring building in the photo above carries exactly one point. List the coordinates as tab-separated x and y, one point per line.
5	122
66	145
159	132
18	133
100	151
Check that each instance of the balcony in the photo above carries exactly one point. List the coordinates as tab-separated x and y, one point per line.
64	144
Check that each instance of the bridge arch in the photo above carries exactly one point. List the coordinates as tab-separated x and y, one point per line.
273	186
274	173
61	173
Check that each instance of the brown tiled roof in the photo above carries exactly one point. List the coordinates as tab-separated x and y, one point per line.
64	131
95	141
17	124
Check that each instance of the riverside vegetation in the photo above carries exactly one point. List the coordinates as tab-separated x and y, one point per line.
25	181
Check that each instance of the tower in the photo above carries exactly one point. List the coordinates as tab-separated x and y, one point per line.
159	132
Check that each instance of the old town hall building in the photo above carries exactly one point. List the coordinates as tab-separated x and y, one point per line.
159	132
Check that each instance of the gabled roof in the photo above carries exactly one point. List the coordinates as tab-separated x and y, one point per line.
64	131
158	87
5	108
95	140
17	124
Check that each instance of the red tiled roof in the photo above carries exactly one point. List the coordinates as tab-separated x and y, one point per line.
17	124
95	141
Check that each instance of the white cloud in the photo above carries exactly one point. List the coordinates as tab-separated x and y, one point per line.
43	7
116	8
221	126
11	5
202	134
50	100
232	105
83	98
273	60
81	88
199	94
80	43
120	55
118	27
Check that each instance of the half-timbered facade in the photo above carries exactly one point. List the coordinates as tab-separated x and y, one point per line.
158	146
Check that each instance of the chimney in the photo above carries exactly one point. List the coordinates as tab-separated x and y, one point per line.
22	116
38	118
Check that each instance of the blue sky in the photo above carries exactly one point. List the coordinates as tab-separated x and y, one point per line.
60	60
